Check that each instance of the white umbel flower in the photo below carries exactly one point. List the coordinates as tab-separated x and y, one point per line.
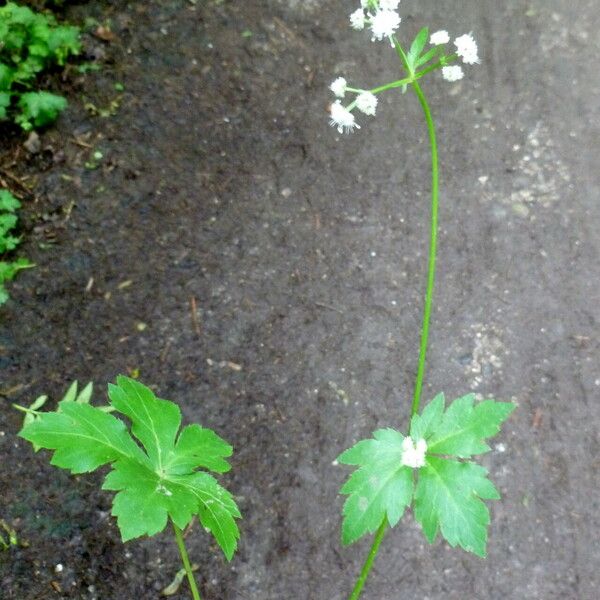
413	453
357	19
342	118
384	23
439	38
466	48
366	102
453	73
389	4
338	87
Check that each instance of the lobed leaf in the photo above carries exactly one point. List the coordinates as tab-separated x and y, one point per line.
199	447
449	493
154	422
464	426
423	425
83	438
145	500
380	489
217	509
153	484
448	498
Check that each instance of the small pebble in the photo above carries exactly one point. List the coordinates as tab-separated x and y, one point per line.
33	144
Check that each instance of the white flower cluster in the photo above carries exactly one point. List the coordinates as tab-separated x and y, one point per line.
342	117
383	19
380	15
413	453
466	49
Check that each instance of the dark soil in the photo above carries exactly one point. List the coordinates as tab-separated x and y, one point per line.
221	186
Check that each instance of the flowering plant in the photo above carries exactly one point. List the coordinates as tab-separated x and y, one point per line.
158	470
430	468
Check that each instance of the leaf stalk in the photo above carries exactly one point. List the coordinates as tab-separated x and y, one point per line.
362	578
186	562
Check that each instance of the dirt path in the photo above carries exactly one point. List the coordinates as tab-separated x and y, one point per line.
303	252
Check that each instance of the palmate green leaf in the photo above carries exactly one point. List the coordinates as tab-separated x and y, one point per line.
448	494
381	488
156	480
447	498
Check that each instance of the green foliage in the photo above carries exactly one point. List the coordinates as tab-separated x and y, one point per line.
380	487
31	43
8	242
39	109
462	429
156	477
447	493
448	498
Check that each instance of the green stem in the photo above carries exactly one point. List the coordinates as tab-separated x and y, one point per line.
432	247
392	85
186	562
438	65
362	578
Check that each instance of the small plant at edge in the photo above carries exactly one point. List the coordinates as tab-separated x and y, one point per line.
31	42
8	242
154	466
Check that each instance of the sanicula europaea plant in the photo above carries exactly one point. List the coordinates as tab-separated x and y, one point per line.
427	468
154	466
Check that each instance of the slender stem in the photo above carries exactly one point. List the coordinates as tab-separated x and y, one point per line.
438	65
432	247
186	562
362	578
392	85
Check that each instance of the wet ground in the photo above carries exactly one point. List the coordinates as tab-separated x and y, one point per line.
267	274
